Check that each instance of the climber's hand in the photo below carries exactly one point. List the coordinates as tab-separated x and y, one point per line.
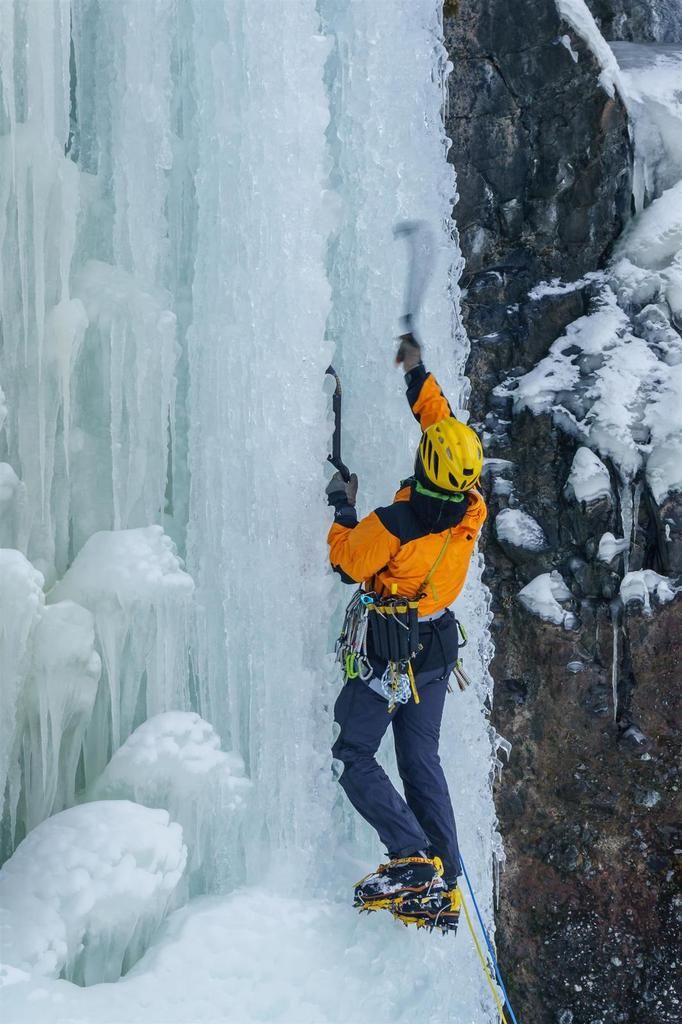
409	352
340	492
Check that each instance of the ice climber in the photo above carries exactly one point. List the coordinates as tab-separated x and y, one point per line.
410	557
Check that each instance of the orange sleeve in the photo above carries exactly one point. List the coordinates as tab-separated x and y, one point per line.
428	403
360	551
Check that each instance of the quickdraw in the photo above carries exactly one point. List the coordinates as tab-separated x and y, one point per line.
351	647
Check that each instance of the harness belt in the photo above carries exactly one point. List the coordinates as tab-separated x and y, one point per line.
431	618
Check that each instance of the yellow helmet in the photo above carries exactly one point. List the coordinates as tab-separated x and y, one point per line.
451	455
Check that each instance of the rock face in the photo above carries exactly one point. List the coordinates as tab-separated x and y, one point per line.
586	686
656	21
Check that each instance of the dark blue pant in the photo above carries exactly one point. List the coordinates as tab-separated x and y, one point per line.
424	819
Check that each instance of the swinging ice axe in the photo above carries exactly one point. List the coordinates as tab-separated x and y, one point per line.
335	457
421	255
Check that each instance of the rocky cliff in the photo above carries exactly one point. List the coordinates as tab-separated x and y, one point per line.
587	664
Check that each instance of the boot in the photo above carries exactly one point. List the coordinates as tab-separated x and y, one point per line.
442	911
391	883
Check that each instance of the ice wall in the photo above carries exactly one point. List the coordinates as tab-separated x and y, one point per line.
196	213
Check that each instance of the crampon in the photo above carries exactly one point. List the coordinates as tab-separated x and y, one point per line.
411	888
438	911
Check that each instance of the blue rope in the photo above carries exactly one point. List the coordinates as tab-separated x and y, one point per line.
488	943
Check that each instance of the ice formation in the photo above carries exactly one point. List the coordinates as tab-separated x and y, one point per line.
544	595
517	528
85	891
21	603
59	698
174	761
140	597
196	215
651	78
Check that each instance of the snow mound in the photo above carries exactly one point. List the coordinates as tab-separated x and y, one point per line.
577	14
140	596
174	761
517	528
542	597
639	588
260	956
21	603
85	892
589	478
610	546
60	696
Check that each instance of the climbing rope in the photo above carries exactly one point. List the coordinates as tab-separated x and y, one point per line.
491	951
486	969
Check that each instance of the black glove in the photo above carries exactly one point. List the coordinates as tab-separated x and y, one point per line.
340	493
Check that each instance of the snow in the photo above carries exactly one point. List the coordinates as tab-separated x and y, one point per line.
84	892
263	956
577	14
589	478
613	390
140	597
174	761
517	528
645	584
542	597
558	287
565	41
610	546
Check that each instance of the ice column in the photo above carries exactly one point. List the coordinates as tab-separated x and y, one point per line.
258	414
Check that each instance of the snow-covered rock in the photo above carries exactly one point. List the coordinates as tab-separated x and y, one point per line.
519	530
174	761
577	14
610	546
641	586
542	597
140	596
84	893
589	478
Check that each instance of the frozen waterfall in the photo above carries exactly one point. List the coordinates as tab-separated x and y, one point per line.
196	208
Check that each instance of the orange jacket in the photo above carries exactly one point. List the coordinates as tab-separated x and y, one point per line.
389	546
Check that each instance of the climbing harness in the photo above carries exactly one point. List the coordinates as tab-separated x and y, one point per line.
393	623
491	951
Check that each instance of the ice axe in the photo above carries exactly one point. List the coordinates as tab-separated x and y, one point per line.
335	457
421	255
